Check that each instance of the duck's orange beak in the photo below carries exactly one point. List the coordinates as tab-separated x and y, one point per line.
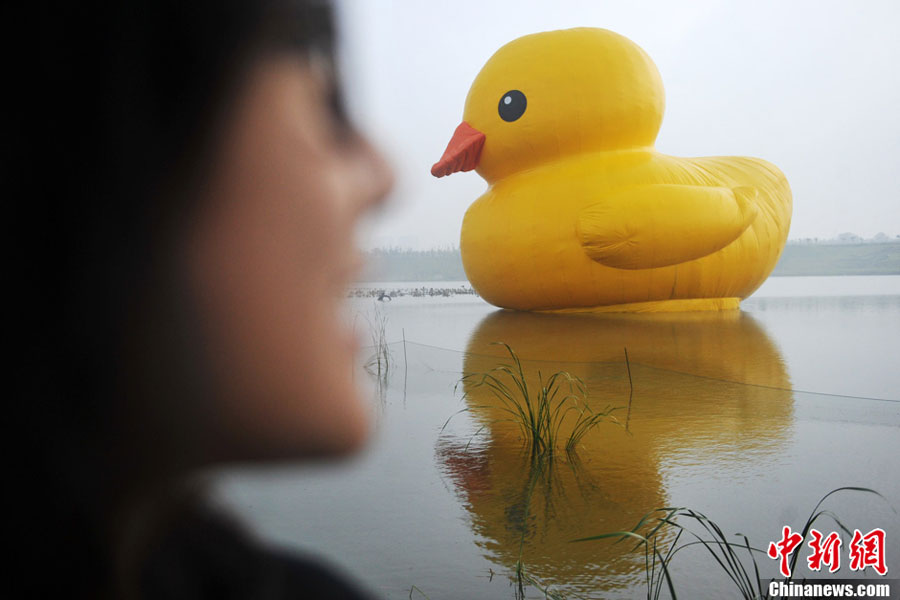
462	152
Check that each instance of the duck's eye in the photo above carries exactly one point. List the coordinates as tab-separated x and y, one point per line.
512	105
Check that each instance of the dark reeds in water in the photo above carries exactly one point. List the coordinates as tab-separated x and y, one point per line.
737	559
541	412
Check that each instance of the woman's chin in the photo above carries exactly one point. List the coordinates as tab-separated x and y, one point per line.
348	434
349	422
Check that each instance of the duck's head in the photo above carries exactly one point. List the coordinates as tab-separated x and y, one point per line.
550	95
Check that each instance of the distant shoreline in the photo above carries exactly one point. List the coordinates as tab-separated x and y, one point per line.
801	260
797	260
774	274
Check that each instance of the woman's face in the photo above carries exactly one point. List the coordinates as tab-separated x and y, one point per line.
270	258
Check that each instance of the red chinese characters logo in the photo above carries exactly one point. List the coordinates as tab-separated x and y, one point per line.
868	551
865	550
825	551
784	548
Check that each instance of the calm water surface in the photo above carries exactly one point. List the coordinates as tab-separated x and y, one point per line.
749	417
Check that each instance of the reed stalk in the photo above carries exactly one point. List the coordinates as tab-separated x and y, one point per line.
734	558
379	363
541	412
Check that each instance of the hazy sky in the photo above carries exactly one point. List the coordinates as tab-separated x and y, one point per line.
813	87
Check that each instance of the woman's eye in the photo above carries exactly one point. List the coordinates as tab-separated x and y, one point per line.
331	96
512	105
338	109
338	123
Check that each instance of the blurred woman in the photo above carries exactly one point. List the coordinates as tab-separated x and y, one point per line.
187	240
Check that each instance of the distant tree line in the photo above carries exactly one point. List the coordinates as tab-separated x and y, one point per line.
399	264
848	238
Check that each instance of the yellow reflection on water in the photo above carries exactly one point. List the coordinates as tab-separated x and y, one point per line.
710	392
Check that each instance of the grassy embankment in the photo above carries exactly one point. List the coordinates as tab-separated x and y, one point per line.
797	259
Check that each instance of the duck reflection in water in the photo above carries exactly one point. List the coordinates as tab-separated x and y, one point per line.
709	391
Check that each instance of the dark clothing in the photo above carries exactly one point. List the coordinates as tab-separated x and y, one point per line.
206	556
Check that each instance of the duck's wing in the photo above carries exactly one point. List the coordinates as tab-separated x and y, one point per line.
649	226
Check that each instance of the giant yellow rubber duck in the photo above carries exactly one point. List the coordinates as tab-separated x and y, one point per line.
581	211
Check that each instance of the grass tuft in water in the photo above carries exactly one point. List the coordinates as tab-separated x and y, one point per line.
735	558
379	363
540	412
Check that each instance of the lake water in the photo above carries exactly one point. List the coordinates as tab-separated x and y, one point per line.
749	417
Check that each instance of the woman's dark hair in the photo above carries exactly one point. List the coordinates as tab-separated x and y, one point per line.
120	125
